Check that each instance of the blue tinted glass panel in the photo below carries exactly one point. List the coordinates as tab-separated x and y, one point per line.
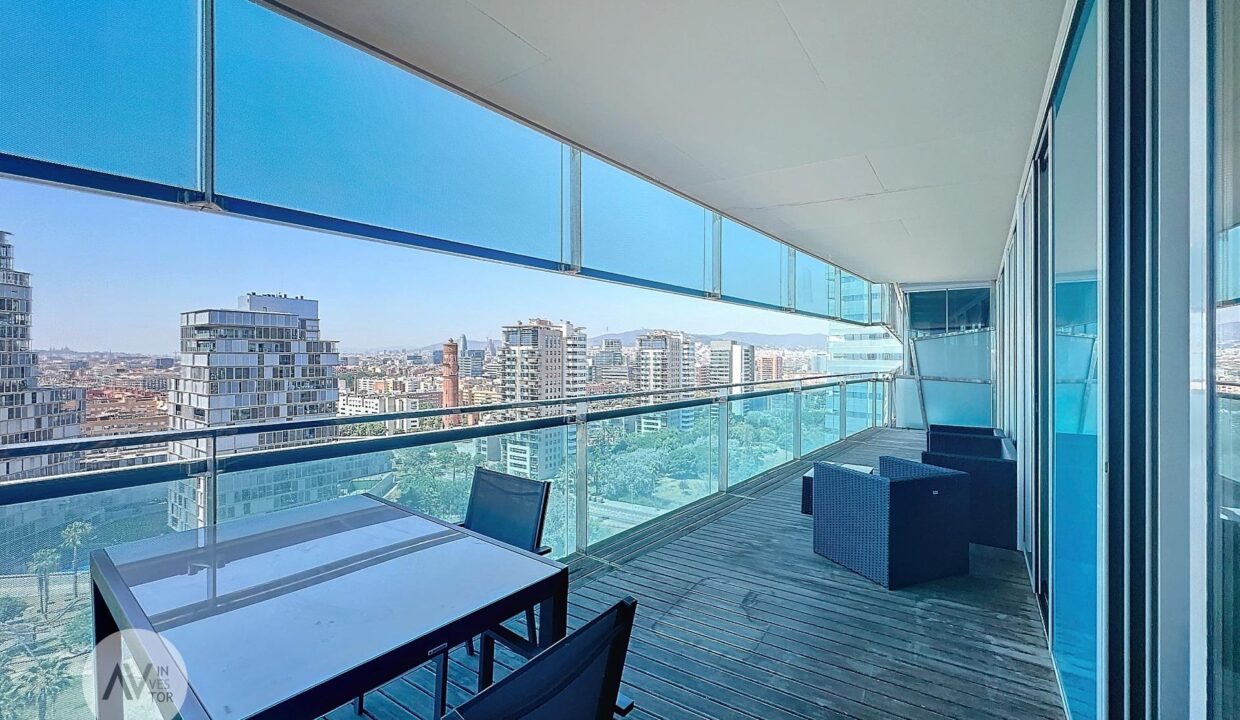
307	122
860	408
759	435
640	468
755	267
856	297
968	309
104	86
833	290
907	403
927	312
1074	476
876	303
814	284
957	403
634	228
820	418
54	539
962	355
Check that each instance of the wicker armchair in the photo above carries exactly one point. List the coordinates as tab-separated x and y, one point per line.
906	524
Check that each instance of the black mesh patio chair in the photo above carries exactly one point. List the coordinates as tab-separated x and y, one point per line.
512	510
577	678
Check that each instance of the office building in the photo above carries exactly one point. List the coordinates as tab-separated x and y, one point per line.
33	413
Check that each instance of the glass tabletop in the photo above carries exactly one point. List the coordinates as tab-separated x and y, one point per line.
276	604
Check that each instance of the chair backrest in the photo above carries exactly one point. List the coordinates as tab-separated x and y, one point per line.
963	429
508	508
986	446
578	677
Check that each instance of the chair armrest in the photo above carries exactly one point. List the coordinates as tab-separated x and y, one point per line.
544	550
624	705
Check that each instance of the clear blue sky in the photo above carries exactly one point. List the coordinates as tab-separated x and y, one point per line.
307	122
113	274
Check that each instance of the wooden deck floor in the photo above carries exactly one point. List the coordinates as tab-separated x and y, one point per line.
738	618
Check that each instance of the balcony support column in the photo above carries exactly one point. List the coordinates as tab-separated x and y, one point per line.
581	481
843	410
725	416
573	204
797	450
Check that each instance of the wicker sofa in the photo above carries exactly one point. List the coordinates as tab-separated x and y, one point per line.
906	524
990	461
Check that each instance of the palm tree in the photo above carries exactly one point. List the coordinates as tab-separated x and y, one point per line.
42	681
9	696
42	564
74	534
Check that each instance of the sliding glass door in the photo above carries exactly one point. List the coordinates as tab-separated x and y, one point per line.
1224	353
1075	243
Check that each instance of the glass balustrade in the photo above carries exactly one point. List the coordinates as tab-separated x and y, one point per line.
820	417
760	435
639	465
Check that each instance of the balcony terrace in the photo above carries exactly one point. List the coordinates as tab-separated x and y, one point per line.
738	618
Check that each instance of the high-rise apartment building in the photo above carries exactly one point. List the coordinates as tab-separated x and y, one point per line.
264	362
770	365
731	362
664	361
31	413
608	364
541	361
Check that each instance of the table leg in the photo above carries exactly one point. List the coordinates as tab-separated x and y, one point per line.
109	685
486	662
553	615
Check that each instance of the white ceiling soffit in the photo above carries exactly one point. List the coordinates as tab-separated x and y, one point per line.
888	136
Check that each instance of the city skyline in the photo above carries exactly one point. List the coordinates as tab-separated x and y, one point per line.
149	256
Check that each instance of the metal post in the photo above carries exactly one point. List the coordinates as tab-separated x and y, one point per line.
796	420
843	410
574	210
716	255
725	416
581	481
210	490
889	402
790	300
206	108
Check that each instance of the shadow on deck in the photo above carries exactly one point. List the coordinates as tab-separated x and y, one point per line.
738	618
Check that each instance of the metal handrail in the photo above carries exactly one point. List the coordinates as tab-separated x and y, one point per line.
46	488
219	431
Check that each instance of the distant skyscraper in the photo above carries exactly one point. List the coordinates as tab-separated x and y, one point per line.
262	363
472	363
31	413
541	361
